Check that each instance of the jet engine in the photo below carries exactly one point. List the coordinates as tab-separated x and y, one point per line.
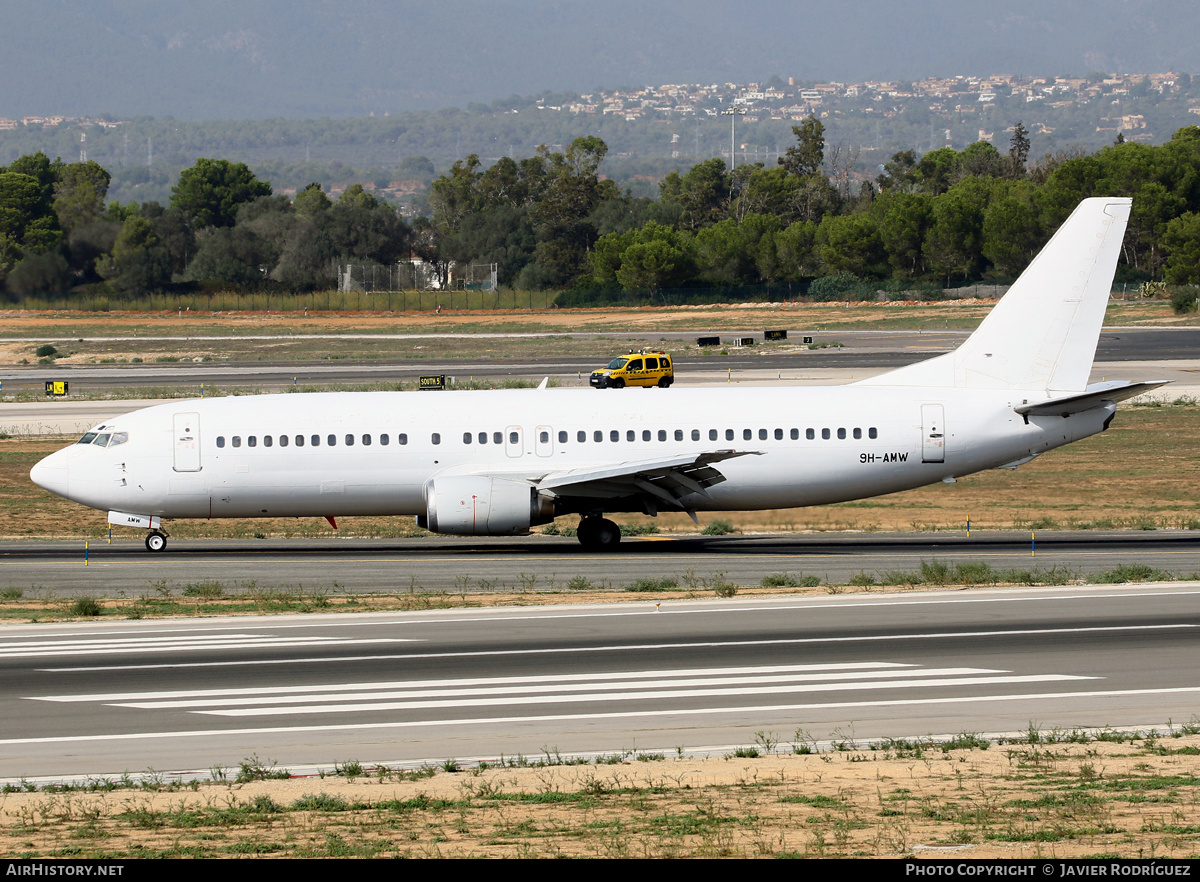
483	506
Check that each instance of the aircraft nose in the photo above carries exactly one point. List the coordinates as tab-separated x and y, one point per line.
52	474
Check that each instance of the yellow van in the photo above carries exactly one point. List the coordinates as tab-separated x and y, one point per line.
646	368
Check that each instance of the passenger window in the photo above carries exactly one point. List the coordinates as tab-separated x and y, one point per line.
679	434
857	434
614	436
237	440
779	434
366	439
597	436
497	437
712	434
299	440
466	437
810	434
645	434
436	438
543	437
402	438
483	437
331	440
385	439
513	438
220	441
581	436
762	434
252	441
841	434
651	364
825	434
349	440
268	440
630	435
747	434
871	433
695	434
562	437
635	365
283	441
729	434
795	434
315	440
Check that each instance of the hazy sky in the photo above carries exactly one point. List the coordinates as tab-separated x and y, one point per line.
308	58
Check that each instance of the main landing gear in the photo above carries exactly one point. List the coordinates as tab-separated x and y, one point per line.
598	534
156	540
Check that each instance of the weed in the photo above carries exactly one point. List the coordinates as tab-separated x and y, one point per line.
86	607
718	528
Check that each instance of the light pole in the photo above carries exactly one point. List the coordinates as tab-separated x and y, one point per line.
733	113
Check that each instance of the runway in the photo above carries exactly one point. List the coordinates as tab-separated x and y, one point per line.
544	563
872	351
697	676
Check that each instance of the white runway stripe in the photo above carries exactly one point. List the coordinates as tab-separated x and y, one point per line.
842	707
543	690
452	683
41	649
686	684
656	695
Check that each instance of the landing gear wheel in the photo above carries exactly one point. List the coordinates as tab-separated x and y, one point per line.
156	541
598	534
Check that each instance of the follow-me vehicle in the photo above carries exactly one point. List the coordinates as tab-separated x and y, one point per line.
499	462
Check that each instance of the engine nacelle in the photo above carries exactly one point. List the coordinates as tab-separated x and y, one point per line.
469	505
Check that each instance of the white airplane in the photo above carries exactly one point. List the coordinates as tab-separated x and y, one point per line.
499	462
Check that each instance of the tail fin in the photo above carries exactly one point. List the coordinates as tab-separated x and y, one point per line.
1042	334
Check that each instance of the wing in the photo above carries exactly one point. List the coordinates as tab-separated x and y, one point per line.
655	482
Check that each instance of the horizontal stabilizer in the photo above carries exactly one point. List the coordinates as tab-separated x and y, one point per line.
1096	395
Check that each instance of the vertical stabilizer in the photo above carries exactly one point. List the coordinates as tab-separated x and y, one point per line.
1043	332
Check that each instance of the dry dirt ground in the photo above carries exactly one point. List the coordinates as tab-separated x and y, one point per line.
1047	795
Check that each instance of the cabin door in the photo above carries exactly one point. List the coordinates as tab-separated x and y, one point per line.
187	442
933	442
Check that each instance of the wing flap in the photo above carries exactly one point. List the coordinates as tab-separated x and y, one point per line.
666	480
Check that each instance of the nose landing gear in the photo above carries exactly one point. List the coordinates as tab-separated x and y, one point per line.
156	540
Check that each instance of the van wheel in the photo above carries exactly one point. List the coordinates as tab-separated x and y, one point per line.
618	383
664	382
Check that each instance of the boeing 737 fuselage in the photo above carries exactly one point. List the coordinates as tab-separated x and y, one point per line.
498	463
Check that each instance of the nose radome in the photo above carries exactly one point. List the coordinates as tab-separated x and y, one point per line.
52	474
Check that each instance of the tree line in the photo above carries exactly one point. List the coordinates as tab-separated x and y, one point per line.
553	221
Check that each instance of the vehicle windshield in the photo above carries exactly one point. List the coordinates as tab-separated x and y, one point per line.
617	363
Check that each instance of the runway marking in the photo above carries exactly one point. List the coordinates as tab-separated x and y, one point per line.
611	715
658	685
202	642
443	683
789	641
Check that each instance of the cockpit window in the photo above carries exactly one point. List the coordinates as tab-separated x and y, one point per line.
118	438
86	439
102	439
